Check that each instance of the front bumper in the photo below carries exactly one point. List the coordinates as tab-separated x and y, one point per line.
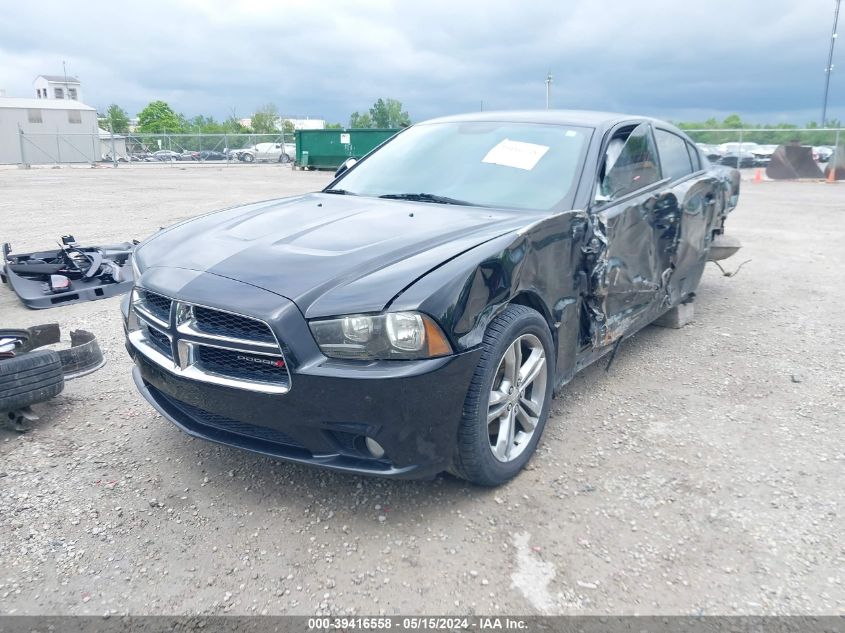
321	421
411	408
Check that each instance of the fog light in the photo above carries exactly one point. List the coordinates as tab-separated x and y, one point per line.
375	448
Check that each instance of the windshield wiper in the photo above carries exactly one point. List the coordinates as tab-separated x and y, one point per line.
425	197
340	192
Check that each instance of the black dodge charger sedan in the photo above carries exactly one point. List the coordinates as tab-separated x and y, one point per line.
418	314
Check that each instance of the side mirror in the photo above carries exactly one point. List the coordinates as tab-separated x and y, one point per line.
345	166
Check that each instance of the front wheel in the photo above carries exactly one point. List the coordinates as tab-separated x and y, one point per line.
284	158
508	400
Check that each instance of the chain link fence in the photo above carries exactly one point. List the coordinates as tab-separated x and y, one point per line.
738	147
68	148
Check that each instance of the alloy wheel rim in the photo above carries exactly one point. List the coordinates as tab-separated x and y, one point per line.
516	398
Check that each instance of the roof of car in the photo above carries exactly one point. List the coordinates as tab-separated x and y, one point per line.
588	118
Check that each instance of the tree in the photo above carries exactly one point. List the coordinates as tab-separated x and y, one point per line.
117	118
233	125
159	117
389	114
334	126
266	119
360	120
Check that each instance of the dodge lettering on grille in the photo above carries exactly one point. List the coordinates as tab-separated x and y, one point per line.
263	361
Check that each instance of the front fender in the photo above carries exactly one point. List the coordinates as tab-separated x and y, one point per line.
538	266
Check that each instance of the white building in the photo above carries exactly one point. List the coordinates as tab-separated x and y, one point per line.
57	87
54	131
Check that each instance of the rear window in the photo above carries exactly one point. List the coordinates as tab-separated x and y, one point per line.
674	156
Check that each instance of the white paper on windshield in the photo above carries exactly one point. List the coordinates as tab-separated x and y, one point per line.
516	154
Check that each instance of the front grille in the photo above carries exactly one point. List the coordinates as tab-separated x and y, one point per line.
221	422
209	345
232	325
160	342
156	304
243	364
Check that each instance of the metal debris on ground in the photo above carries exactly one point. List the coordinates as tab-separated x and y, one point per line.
730	274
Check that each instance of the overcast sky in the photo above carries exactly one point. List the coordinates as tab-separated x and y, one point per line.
667	58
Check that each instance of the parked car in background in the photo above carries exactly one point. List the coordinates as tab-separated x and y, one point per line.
763	154
189	155
277	152
208	154
738	154
166	154
712	152
418	313
822	153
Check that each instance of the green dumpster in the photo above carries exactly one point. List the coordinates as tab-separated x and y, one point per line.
327	149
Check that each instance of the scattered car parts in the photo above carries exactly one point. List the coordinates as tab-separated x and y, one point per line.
70	274
29	375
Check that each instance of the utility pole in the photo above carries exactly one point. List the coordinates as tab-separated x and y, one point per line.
549	86
829	68
64	69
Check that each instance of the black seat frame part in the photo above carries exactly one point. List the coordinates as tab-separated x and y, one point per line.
95	272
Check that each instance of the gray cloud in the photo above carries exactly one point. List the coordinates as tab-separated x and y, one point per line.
665	58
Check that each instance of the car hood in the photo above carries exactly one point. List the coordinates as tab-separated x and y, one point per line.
330	254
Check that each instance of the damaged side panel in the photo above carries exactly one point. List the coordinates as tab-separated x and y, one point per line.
647	254
595	276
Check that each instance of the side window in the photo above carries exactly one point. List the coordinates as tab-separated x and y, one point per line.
695	156
674	156
629	165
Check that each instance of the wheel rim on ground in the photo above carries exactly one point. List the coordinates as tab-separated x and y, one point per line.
516	398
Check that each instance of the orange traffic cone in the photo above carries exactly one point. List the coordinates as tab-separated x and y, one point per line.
831	173
758	175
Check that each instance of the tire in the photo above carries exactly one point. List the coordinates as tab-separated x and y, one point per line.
475	458
30	378
284	158
248	158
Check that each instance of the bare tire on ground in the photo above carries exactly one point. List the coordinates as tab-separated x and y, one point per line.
30	378
508	401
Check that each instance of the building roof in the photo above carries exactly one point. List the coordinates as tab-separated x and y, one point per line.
60	79
43	104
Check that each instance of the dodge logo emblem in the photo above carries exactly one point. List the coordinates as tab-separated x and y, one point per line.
263	361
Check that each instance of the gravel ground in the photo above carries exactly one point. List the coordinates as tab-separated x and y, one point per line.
702	474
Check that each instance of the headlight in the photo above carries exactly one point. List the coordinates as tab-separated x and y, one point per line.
395	335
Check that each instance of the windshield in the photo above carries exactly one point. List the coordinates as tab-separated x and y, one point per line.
496	164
